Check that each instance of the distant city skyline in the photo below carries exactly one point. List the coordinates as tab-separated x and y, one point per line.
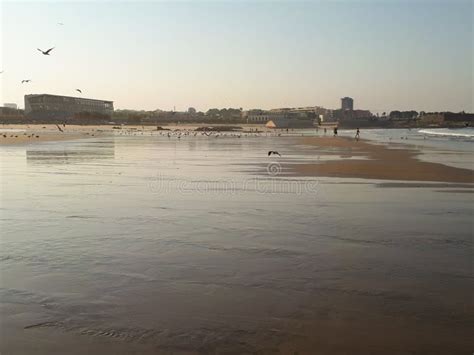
386	55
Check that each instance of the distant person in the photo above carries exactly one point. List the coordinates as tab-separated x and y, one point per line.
357	134
335	131
325	130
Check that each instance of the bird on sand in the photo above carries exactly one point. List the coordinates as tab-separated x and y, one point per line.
79	90
60	129
273	152
25	81
45	52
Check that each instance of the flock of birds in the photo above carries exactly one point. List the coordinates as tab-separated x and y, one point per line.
31	135
44	52
178	134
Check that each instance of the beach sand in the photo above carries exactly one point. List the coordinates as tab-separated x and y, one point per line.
28	134
352	159
31	133
380	162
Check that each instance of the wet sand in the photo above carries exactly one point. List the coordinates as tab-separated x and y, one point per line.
125	245
380	162
353	159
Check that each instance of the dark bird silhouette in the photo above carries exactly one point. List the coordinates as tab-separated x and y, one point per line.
45	52
25	81
274	152
79	90
60	129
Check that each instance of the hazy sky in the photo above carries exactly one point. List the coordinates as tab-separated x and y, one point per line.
251	54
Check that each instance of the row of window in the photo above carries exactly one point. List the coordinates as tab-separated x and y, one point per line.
76	108
65	101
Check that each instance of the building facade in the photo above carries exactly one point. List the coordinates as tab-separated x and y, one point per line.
10	105
262	116
64	107
352	114
347	104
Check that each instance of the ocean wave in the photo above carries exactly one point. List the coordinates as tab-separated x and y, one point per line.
460	132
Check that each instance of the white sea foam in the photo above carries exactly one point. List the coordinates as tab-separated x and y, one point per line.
460	132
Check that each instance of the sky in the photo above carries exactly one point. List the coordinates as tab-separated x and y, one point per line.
245	54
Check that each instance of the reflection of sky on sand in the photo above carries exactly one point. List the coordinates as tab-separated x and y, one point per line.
141	241
70	152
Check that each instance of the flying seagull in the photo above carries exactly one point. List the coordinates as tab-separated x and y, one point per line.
79	90
25	81
60	24
274	152
45	52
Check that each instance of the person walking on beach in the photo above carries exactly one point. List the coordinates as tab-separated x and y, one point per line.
335	131
325	130
357	134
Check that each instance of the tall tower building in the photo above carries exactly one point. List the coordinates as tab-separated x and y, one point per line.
347	104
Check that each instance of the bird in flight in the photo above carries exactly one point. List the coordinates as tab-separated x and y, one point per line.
45	52
274	152
25	81
79	90
60	24
1	72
